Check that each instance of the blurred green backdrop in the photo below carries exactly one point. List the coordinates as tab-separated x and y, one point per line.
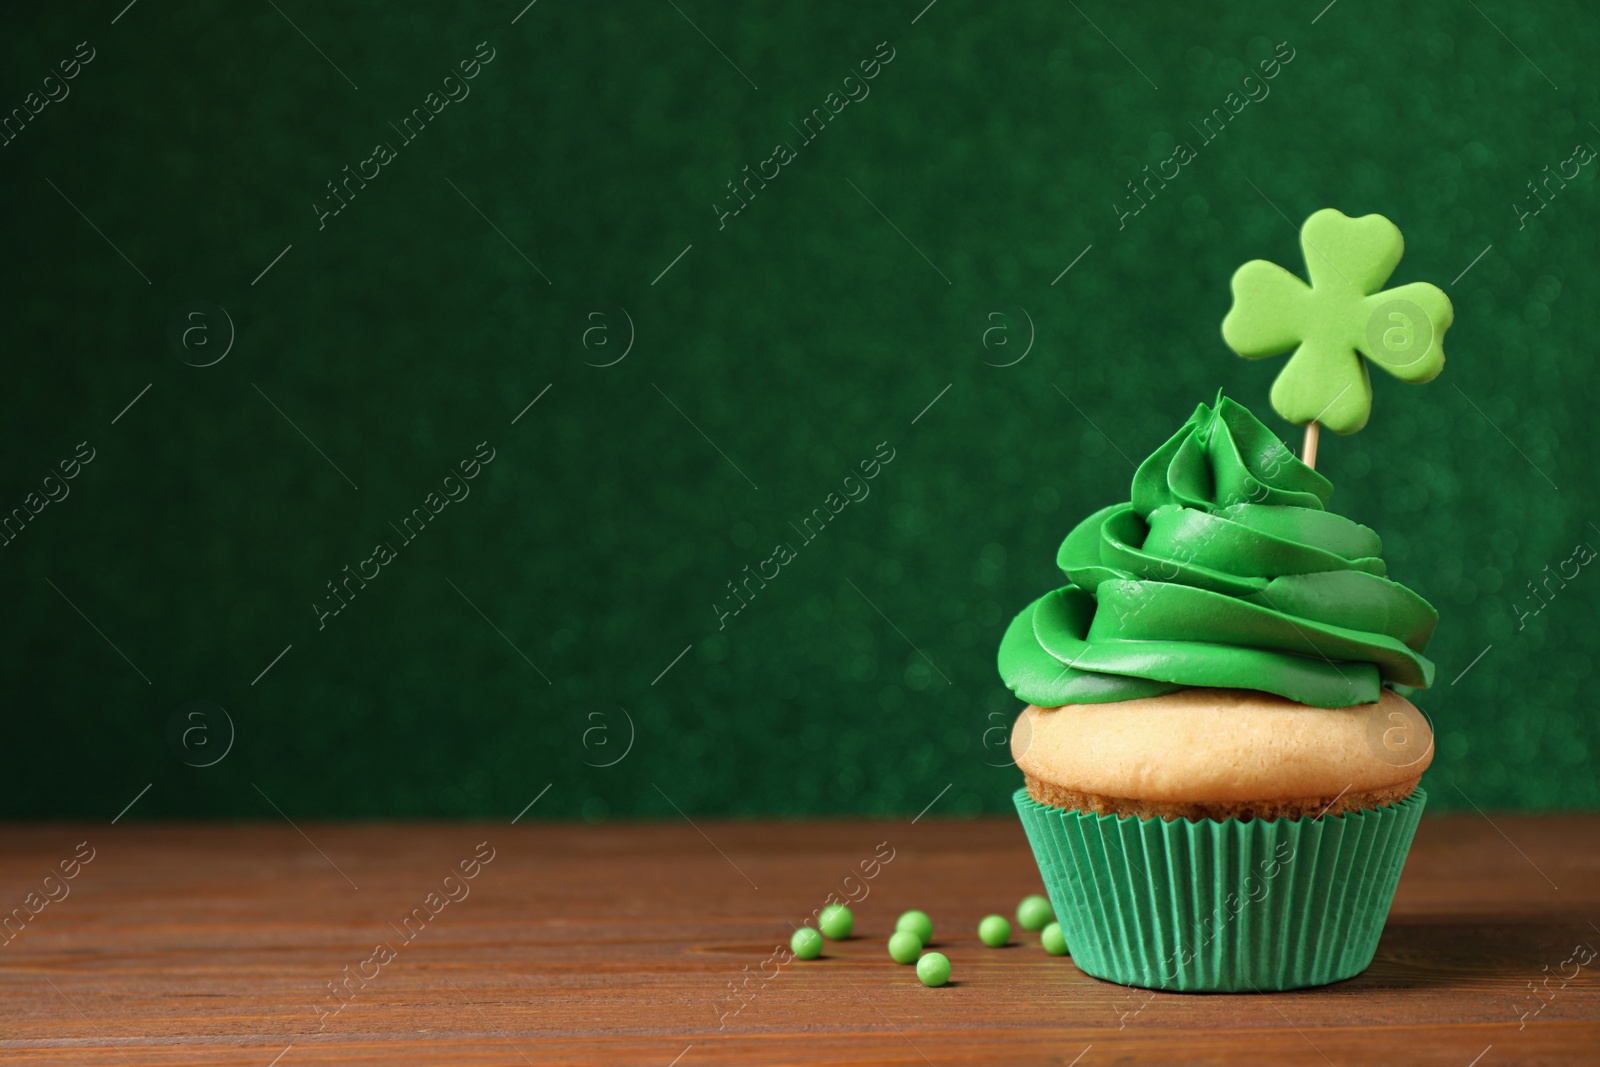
567	607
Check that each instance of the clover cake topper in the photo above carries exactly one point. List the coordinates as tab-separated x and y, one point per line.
1338	323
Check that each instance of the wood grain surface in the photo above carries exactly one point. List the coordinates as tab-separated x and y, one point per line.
625	943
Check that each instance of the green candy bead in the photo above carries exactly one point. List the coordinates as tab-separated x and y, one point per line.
1034	913
904	946
1053	940
933	969
918	923
806	943
836	922
994	931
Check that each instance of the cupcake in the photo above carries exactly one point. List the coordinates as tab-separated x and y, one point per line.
1221	769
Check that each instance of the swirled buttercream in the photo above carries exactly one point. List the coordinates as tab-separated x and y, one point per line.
1224	569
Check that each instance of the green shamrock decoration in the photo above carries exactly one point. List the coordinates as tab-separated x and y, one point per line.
1342	316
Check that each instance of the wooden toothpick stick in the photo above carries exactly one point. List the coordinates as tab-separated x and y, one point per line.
1308	451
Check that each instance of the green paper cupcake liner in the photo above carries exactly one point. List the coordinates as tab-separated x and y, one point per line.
1225	905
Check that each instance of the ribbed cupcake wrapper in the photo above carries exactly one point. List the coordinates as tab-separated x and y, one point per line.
1221	905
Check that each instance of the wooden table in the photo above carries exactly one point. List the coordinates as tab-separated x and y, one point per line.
624	943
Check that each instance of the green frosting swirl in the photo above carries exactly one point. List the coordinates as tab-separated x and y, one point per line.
1223	570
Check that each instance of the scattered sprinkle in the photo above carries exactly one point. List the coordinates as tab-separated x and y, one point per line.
918	923
806	943
836	922
994	931
1053	940
904	947
1034	913
933	969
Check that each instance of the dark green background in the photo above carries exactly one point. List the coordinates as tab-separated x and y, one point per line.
797	338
